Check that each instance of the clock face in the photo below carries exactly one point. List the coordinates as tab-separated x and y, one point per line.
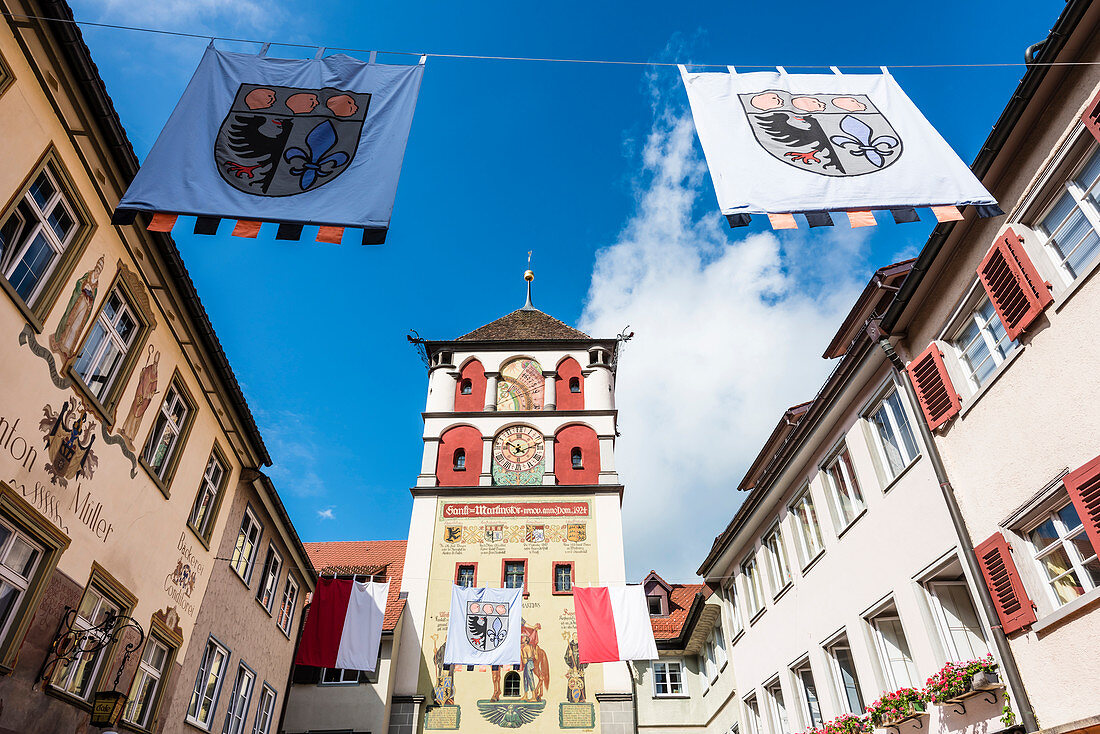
521	385
518	455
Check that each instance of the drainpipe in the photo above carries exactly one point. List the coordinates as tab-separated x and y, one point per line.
1008	661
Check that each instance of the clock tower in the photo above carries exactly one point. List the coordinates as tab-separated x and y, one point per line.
517	488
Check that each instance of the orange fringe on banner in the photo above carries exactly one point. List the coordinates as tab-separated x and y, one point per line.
332	235
162	222
947	213
861	219
246	228
782	221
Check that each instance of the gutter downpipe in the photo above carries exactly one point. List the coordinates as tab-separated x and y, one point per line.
966	545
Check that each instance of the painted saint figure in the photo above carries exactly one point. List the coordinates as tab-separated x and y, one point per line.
533	664
143	396
444	689
574	679
66	337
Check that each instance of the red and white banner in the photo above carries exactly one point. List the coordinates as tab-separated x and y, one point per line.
613	624
344	625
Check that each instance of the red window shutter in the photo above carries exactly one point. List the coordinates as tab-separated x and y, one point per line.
937	396
1016	290
1083	486
1091	118
1014	606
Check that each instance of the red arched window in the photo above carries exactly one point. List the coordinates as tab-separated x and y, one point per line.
576	455
458	462
470	390
569	389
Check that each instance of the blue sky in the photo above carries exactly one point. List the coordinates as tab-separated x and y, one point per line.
598	171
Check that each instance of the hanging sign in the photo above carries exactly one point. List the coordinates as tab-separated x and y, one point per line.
295	141
781	144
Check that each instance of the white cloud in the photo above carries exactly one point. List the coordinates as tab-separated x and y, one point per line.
327	513
185	14
729	333
295	450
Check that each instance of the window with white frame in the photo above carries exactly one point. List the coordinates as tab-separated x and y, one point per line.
840	476
807	526
668	678
164	438
736	625
511	684
146	688
654	603
778	567
244	552
36	234
338	676
754	592
269	580
1071	224
466	576
957	620
893	433
563	577
981	342
239	700
845	677
1065	556
286	607
265	711
893	649
719	643
207	685
78	676
752	715
807	693
709	660
778	706
105	349
202	514
19	557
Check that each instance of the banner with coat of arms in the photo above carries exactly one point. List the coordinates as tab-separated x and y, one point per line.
483	627
783	144
293	141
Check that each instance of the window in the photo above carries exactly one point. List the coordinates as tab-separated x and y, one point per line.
893	649
808	529
36	235
752	715
777	561
780	724
466	576
511	684
19	557
164	438
339	676
709	663
239	700
207	684
265	711
206	503
893	434
982	343
847	682
574	384
668	678
1070	226
459	463
654	602
734	609
78	676
754	593
269	581
105	349
719	644
841	478
287	607
957	620
146	687
563	578
1065	555
807	692
515	575
466	388
575	457
244	552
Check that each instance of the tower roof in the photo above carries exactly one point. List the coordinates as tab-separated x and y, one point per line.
525	324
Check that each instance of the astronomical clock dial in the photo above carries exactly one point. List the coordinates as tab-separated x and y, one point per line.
518	456
521	386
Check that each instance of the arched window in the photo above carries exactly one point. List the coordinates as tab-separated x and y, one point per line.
467	387
574	384
575	456
511	684
460	460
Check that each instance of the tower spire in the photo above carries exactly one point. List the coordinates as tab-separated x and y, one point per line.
529	275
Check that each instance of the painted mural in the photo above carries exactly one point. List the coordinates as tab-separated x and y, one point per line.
143	396
520	386
65	341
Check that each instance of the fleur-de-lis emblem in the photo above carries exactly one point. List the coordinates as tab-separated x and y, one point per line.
313	164
858	141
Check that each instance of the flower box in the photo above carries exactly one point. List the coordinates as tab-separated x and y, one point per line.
915	715
897	707
959	681
982	682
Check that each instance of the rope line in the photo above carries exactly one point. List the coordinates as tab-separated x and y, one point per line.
540	59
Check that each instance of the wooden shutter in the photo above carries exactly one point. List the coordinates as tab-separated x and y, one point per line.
1091	118
1016	290
1084	489
1014	606
938	399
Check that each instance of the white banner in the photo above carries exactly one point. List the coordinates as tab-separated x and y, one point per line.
484	627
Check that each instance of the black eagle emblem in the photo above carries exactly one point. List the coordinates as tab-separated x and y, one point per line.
801	131
510	715
476	627
259	142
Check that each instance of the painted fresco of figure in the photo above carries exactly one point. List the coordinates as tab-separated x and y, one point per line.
533	664
444	689
574	678
66	337
143	396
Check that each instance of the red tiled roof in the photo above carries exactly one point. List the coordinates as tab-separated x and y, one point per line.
349	556
679	602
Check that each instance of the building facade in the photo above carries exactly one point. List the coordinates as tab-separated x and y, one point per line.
128	450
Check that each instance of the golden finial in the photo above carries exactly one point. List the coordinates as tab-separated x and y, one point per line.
529	275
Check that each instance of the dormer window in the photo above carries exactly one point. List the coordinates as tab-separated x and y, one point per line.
654	601
575	457
466	388
460	460
574	384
